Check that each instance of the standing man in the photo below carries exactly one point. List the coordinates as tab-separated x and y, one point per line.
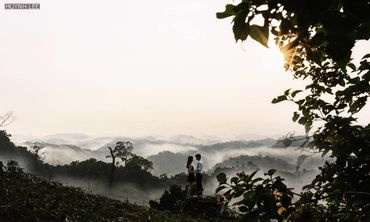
198	177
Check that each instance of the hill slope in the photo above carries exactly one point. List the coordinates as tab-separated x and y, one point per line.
24	197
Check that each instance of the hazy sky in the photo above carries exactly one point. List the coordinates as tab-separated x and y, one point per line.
160	67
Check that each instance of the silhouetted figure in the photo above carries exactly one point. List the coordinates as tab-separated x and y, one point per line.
191	175
199	175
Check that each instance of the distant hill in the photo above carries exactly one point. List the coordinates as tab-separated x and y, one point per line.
192	140
83	141
256	162
64	153
168	162
237	145
294	141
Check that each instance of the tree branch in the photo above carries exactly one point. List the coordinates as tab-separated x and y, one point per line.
6	119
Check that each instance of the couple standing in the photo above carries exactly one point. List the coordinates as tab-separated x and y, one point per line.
194	175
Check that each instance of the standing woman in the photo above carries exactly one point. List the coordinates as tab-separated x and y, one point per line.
191	175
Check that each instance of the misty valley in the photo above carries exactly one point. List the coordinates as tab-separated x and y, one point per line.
74	157
81	161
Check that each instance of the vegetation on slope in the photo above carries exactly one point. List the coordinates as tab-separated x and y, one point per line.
24	197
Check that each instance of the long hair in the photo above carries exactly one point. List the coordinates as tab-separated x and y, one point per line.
190	159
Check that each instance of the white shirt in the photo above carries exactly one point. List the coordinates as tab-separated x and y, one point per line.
199	166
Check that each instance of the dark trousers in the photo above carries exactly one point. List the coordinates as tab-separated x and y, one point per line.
198	179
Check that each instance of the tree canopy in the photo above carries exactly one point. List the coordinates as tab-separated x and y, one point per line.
317	38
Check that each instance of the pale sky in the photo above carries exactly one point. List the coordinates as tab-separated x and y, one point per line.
138	68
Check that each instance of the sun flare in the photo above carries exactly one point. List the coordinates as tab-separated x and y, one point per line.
276	57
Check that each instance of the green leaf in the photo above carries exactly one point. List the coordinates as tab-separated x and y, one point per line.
221	187
238	192
366	56
253	173
352	66
228	194
227	13
271	172
302	120
234	180
295	116
342	106
260	34
258	179
327	109
279	99
294	93
358	105
366	76
286	93
240	28
278	184
221	178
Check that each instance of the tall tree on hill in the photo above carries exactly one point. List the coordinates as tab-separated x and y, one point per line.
123	151
35	149
317	38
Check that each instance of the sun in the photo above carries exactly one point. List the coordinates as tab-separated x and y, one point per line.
276	56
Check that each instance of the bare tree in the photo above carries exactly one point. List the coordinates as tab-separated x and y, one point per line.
35	149
6	119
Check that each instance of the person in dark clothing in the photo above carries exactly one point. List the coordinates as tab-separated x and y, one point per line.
199	176
191	175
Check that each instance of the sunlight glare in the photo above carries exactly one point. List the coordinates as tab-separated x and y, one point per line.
276	57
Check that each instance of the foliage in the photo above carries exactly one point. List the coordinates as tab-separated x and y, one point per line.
9	150
207	207
139	162
122	150
256	199
89	169
316	38
6	145
95	170
170	200
35	149
24	197
308	28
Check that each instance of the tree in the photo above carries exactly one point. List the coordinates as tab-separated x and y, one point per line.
35	149
6	119
122	150
139	162
170	200
317	38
